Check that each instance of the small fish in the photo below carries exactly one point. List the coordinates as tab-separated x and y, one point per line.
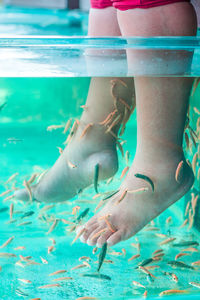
122	196
75	209
20	248
85	130
102	256
86	264
27	214
32	179
138	191
11	210
196	110
180	255
25	258
47	207
62	279
158	256
96	177
144	263
71	165
97	234
78	235
194	162
125	170
196	284
94	250
78	267
124	251
146	178
194	203
68	124
173	291
50	249
138	284
110	195
190	249
187	141
53	226
179	264
152	229
49	286
152	267
54	127
145	294
11	178
67	222
25	223
32	262
8	198
108	118
5	193
7	242
97	275
58	272
196	263
184	223
116	253
3	209
7	255
83	214
44	261
24	280
167	241
174	277
108	223
144	270
84	257
28	188
179	171
157	251
21	293
134	257
114	123
168	220
60	150
186	243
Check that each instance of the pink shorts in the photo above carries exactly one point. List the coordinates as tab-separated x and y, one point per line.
130	4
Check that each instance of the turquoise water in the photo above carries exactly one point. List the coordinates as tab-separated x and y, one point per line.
29	110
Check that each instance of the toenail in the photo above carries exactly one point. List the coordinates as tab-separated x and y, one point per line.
99	246
89	242
82	239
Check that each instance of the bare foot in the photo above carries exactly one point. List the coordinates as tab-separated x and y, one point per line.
74	170
134	211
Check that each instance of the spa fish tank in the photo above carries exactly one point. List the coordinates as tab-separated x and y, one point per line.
44	82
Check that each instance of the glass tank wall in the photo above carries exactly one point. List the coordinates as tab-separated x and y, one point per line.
44	82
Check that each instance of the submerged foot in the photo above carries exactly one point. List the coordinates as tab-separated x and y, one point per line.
122	218
75	168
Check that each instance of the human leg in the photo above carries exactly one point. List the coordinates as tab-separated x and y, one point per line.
161	113
62	182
